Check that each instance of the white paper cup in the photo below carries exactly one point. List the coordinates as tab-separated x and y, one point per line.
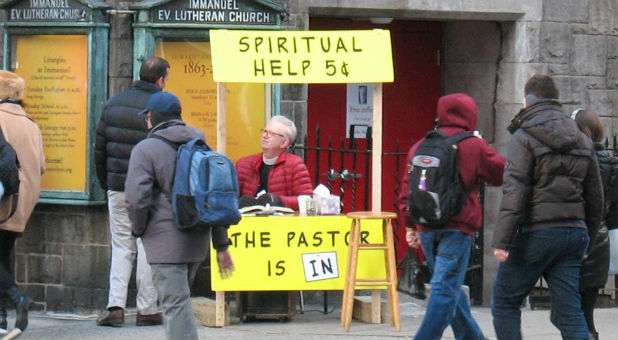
302	204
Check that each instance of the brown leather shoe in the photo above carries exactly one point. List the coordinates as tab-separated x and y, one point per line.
148	320
111	317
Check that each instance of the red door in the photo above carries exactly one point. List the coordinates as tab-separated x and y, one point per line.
408	111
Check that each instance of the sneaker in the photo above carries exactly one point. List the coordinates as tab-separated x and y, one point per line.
113	316
21	310
148	319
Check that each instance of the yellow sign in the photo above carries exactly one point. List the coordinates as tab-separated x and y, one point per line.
55	69
302	56
191	80
296	253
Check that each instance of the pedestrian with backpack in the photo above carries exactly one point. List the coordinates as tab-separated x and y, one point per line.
552	205
22	137
439	204
174	253
595	267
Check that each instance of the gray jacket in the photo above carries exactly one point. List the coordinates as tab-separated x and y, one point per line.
551	178
149	179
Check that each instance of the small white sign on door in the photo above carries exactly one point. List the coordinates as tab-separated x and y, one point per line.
320	266
359	109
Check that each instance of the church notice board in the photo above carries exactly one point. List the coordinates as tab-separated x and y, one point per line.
296	253
55	70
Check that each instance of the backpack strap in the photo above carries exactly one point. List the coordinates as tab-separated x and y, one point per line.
456	138
167	141
197	141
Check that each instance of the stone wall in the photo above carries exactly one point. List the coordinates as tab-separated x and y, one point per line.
62	260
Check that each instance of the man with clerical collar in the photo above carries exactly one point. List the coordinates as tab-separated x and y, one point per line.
279	175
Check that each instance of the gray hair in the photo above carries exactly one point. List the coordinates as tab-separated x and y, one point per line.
289	128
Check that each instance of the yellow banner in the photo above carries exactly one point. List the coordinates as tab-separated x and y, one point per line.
302	56
296	253
55	69
191	80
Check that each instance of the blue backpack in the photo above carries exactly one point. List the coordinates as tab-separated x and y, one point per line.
205	188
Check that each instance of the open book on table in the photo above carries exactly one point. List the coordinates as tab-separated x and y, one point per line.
265	210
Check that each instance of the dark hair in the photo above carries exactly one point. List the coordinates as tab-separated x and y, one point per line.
157	117
542	86
153	69
588	122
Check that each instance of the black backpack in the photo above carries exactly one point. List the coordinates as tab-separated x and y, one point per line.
9	174
436	193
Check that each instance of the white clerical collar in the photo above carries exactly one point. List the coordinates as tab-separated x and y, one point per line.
269	161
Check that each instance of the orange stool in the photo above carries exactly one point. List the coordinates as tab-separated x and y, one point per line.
351	282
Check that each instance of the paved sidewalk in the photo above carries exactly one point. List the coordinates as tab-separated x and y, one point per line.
313	324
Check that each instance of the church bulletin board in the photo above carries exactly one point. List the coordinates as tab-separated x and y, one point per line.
191	80
55	69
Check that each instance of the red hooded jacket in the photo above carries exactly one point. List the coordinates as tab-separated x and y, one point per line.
477	160
287	179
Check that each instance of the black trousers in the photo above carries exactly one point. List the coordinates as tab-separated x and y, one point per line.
7	278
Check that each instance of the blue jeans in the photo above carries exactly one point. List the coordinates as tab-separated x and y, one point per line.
447	252
556	254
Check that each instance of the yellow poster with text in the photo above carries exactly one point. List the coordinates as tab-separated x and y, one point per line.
296	253
302	56
55	70
191	80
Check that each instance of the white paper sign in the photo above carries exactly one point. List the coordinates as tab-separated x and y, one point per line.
320	266
359	109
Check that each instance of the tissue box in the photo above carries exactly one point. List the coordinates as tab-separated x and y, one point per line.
327	205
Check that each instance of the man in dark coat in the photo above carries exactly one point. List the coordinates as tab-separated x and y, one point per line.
551	207
118	131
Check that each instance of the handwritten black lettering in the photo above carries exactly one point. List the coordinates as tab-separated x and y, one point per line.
325	47
306	64
308	40
281	44
243	41
341	45
354	48
275	67
265	239
258	42
333	233
258	69
317	239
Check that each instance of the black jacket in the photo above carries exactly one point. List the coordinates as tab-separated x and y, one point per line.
595	268
551	177
119	129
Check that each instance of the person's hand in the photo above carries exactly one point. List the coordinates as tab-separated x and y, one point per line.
412	238
246	201
226	265
271	199
501	254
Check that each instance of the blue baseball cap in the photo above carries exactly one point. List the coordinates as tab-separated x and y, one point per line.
163	102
